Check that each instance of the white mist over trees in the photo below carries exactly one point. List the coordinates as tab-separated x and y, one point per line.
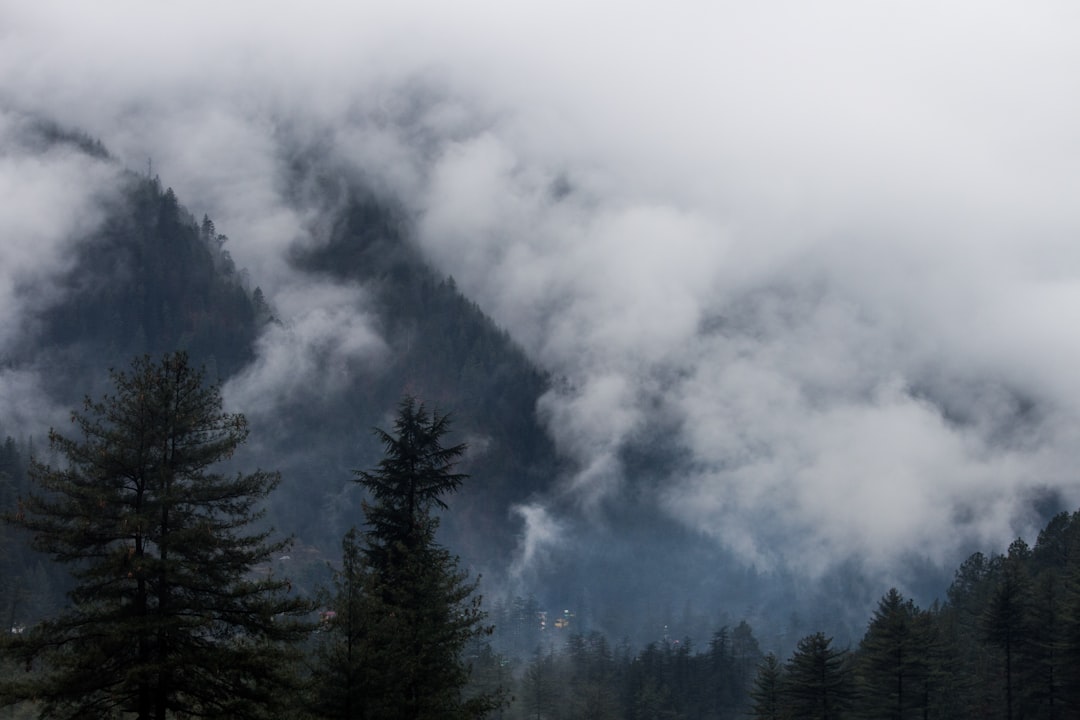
827	248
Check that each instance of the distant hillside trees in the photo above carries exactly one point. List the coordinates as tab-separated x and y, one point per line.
168	615
149	280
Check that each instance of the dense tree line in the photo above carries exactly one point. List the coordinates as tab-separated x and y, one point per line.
585	676
174	607
1004	644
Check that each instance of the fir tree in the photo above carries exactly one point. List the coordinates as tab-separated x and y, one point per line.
166	616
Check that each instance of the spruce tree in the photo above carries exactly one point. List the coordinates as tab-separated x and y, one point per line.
429	608
169	615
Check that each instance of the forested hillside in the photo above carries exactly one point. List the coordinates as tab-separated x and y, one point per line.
153	279
659	623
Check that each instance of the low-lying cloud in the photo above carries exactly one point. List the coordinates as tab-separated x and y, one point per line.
830	248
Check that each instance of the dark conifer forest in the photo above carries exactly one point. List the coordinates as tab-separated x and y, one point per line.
539	361
336	591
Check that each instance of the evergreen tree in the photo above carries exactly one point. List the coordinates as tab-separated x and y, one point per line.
818	683
721	671
1005	621
341	685
746	656
430	610
1044	673
893	664
971	684
767	691
1069	640
167	616
539	686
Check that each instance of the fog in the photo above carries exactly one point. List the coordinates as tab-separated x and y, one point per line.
828	249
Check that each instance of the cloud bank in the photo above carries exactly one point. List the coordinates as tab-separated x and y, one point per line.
830	249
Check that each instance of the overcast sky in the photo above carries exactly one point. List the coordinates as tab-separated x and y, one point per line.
833	245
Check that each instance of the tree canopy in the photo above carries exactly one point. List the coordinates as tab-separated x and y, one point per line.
173	611
404	612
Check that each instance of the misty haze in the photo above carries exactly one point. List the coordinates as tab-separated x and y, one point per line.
753	330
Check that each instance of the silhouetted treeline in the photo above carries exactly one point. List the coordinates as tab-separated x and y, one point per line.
584	676
1004	644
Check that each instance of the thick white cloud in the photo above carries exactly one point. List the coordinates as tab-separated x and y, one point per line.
312	355
50	198
833	244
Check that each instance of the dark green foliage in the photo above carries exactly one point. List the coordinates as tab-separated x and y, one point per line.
150	280
818	680
1043	674
767	693
169	613
30	587
419	612
13	558
971	674
539	688
745	657
409	482
589	679
341	680
896	661
1005	645
1068	645
590	683
1005	622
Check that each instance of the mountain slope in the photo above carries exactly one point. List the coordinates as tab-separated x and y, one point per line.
149	279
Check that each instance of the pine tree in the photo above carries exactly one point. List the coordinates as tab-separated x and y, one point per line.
167	616
429	607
